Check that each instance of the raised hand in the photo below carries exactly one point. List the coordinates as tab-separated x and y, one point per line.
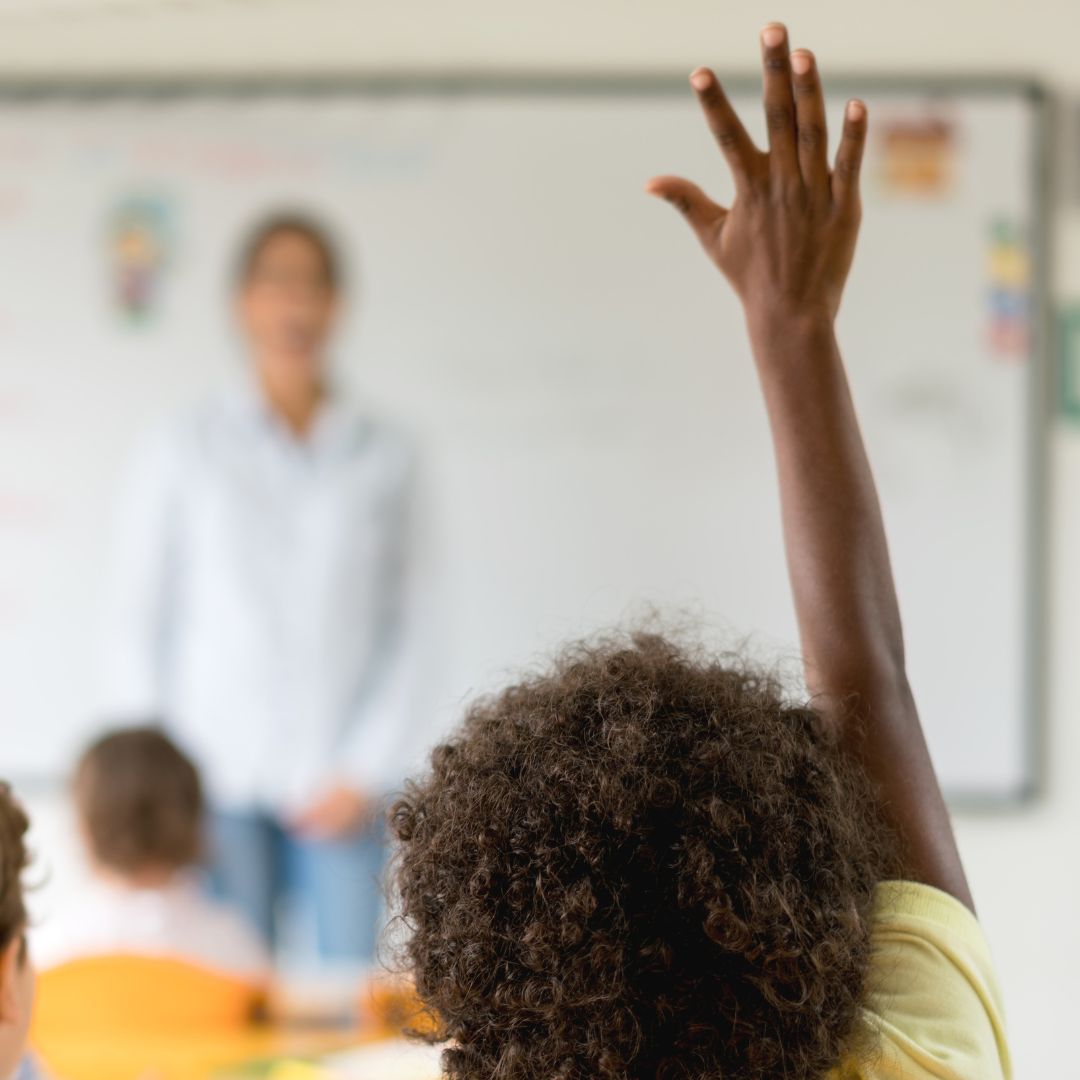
787	240
786	245
338	812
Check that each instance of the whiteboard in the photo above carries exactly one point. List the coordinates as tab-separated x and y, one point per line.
575	375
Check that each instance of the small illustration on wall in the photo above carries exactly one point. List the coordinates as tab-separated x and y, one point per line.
139	249
917	156
1008	295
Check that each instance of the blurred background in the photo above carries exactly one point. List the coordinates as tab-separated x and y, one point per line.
548	417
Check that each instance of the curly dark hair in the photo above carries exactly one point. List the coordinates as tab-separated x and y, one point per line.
14	859
643	863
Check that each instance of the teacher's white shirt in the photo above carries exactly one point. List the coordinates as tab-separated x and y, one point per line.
260	599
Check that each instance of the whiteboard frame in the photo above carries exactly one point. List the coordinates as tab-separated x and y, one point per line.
571	84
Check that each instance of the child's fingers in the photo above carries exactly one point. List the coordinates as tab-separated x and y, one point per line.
810	121
737	147
703	215
845	180
779	104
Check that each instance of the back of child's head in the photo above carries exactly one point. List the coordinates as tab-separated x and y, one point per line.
13	860
643	863
140	803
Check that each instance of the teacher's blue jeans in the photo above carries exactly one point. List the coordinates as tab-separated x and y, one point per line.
332	887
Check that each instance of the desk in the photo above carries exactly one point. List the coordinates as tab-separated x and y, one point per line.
188	1055
138	1018
390	1059
245	1056
385	1059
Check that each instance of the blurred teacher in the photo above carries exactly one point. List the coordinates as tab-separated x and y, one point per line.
260	605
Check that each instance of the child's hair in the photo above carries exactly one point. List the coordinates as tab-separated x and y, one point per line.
140	801
13	861
642	863
290	223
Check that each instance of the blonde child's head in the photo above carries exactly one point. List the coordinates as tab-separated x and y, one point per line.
140	806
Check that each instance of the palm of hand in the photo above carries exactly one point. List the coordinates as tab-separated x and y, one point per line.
787	241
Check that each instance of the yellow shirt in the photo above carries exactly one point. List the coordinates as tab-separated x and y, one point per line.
934	1007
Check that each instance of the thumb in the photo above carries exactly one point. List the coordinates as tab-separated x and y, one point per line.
702	214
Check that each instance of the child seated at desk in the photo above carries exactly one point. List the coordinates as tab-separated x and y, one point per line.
140	809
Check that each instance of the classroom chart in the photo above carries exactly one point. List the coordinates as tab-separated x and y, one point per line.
573	371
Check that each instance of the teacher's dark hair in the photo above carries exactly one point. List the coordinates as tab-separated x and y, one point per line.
290	223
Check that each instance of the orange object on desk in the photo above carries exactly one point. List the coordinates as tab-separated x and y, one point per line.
129	1017
390	1007
119	993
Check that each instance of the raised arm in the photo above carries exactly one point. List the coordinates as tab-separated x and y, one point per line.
786	245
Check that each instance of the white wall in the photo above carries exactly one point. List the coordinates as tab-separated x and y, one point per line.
1025	865
228	35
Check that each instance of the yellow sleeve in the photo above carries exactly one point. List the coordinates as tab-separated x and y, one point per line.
933	1003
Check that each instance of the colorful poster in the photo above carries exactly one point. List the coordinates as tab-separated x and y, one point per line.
1008	295
139	247
917	156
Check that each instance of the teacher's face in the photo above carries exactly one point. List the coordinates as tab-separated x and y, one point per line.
288	304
